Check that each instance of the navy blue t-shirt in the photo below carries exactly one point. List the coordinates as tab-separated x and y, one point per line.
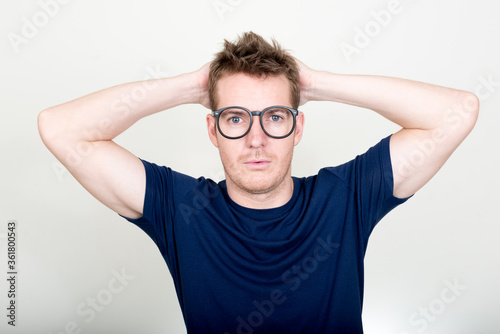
297	268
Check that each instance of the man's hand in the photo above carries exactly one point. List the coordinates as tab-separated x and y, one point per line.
306	82
201	80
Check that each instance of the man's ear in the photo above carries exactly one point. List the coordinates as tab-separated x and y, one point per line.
212	131
299	128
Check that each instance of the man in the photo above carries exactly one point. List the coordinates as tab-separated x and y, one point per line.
262	251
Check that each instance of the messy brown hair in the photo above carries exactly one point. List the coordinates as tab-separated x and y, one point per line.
253	55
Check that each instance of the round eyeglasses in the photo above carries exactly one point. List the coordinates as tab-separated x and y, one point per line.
235	122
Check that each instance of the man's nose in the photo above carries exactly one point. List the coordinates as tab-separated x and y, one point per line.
256	136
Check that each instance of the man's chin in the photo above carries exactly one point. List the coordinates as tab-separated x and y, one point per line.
259	186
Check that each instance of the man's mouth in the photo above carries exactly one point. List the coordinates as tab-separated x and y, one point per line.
257	164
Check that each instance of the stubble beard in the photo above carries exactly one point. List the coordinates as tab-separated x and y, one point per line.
257	182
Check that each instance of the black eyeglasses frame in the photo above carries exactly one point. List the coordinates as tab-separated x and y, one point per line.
295	113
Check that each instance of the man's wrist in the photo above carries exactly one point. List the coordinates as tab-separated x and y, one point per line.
187	89
314	86
322	86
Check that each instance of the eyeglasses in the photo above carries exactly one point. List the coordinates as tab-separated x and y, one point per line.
235	122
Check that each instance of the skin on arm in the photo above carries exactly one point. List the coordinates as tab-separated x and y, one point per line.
80	134
434	119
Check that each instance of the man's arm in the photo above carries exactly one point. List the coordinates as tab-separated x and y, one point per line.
80	132
434	119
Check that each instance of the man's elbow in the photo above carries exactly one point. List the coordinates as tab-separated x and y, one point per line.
470	105
460	118
48	128
43	121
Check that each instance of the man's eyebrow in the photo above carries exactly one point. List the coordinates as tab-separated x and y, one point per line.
278	109
237	112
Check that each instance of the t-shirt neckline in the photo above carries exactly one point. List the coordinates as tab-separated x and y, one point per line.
264	214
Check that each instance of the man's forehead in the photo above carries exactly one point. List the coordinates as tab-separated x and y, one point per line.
262	91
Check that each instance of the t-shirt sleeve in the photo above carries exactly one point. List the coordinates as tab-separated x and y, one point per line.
375	185
162	186
370	177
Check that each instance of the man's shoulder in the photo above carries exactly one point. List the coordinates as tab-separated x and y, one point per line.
345	172
162	178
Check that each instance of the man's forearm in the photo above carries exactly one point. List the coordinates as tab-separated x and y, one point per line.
410	104
79	133
434	118
105	114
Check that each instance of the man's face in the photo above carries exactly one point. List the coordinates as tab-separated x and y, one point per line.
256	163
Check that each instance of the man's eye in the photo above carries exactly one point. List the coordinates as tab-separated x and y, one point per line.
276	118
235	120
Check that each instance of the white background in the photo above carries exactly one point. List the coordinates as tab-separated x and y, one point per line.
70	246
